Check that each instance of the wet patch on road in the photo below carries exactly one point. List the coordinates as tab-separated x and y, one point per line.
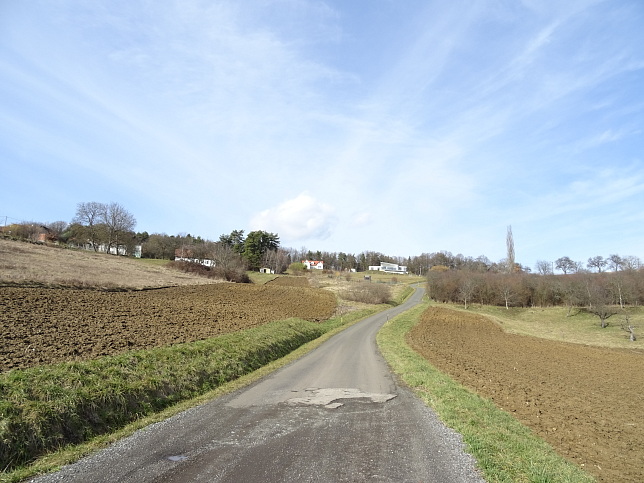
177	458
328	397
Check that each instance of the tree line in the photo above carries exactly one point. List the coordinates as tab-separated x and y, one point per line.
603	294
234	251
109	226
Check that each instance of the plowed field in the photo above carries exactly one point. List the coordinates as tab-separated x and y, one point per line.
43	326
587	402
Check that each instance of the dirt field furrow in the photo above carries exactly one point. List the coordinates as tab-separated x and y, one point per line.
587	402
44	326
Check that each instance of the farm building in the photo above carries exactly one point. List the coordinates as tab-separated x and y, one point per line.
389	268
313	264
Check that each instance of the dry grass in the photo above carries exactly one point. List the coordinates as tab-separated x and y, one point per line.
27	263
341	282
552	323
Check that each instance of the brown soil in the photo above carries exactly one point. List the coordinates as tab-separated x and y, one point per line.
584	401
290	282
44	325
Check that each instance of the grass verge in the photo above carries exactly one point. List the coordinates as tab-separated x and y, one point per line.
401	295
506	451
53	415
260	278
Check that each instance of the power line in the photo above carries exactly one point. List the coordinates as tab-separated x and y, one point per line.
7	218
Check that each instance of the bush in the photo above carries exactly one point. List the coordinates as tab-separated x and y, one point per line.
297	268
237	275
368	293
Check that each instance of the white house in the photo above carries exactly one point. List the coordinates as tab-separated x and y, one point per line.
114	250
185	254
389	268
313	264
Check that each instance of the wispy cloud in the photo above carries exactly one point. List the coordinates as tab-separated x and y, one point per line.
448	121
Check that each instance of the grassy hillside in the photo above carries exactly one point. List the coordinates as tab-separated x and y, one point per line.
40	265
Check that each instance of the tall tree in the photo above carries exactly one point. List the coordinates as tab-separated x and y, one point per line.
104	224
615	262
119	222
597	262
257	244
89	216
235	240
566	265
509	241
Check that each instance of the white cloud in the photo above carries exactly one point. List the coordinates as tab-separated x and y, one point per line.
300	218
449	126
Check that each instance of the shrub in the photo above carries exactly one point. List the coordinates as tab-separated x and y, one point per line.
237	275
297	268
368	293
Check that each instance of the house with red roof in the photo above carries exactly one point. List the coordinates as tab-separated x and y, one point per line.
313	264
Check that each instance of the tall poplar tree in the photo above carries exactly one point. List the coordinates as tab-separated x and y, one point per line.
509	241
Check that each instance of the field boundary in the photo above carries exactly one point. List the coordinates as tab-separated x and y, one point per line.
47	407
506	451
248	365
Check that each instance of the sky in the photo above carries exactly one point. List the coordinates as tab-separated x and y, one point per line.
402	127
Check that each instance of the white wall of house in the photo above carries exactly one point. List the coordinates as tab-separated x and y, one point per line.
113	250
313	264
389	268
205	262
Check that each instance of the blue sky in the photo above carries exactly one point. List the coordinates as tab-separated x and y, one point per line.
401	127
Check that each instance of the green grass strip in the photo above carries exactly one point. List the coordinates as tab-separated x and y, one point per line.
403	295
121	394
47	407
506	451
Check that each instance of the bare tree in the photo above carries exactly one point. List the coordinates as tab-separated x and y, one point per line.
276	260
118	221
226	257
615	262
566	265
507	286
466	288
597	262
102	223
544	267
89	216
631	262
629	327
57	227
571	291
599	300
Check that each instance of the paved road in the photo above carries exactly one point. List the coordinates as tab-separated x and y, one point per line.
336	414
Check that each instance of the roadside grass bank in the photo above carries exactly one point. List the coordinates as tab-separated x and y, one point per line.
402	295
506	451
53	415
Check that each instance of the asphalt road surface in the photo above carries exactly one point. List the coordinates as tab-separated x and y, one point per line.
336	414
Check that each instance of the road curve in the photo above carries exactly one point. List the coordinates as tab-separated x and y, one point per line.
336	414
